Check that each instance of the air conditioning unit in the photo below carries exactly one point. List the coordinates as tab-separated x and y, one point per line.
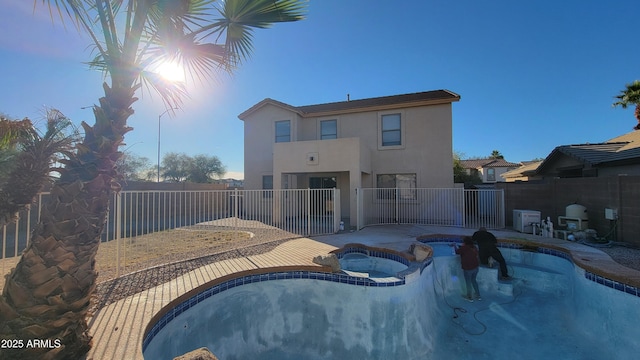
523	220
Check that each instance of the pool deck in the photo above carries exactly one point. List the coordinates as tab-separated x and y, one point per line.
118	328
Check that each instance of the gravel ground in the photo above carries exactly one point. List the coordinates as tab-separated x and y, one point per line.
177	252
624	254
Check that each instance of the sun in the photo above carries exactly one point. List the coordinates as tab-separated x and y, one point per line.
171	71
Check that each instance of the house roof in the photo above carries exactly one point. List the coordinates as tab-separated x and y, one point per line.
631	138
526	169
624	149
486	163
372	104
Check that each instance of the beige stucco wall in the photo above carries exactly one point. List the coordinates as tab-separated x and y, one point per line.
427	142
344	154
259	138
347	156
426	149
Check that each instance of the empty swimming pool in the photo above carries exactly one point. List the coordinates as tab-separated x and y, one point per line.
552	309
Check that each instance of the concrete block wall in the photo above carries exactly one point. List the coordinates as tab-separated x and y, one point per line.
629	210
551	197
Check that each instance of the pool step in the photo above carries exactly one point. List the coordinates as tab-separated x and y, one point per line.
489	282
541	279
523	276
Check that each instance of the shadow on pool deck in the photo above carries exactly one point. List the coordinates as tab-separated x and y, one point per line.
118	328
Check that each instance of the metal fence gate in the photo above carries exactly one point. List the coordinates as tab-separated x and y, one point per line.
436	207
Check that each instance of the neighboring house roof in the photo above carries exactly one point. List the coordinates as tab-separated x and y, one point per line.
486	163
631	138
501	163
379	103
528	168
624	157
622	150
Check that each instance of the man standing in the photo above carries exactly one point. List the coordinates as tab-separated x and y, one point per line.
487	245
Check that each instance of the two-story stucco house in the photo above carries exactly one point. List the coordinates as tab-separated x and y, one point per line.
400	141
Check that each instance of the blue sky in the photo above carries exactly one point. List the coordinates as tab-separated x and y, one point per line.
532	75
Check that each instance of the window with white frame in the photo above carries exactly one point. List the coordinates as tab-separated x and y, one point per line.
328	129
404	185
391	131
283	131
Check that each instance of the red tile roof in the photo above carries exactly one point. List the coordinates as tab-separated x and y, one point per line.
482	163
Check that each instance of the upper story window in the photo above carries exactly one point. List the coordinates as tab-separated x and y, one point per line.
283	131
328	129
390	130
491	174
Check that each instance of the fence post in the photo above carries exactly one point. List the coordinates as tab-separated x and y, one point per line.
358	209
16	237
308	211
397	205
4	244
464	207
117	203
236	200
502	210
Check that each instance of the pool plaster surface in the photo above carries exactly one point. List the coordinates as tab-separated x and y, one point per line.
118	329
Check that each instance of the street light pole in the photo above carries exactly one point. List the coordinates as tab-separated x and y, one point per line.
159	117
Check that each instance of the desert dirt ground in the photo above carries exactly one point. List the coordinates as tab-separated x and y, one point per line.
166	247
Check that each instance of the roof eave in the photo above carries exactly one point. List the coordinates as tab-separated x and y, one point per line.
380	107
245	114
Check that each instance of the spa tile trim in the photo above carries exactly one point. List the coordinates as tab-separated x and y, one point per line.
282	275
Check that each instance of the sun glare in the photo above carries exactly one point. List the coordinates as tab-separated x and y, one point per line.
171	71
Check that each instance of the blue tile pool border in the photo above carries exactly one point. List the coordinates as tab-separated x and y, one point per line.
358	281
341	278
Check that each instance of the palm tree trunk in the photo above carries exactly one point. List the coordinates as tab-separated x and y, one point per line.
47	295
637	114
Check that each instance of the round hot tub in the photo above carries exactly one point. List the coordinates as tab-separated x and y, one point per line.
361	264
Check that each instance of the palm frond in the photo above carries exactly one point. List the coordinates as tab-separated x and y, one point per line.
205	37
171	92
261	13
629	96
15	132
238	18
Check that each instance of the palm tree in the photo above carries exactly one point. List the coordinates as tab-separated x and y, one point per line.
47	295
495	154
11	133
28	159
630	96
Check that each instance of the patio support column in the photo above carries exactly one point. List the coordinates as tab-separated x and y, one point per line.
277	196
355	182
